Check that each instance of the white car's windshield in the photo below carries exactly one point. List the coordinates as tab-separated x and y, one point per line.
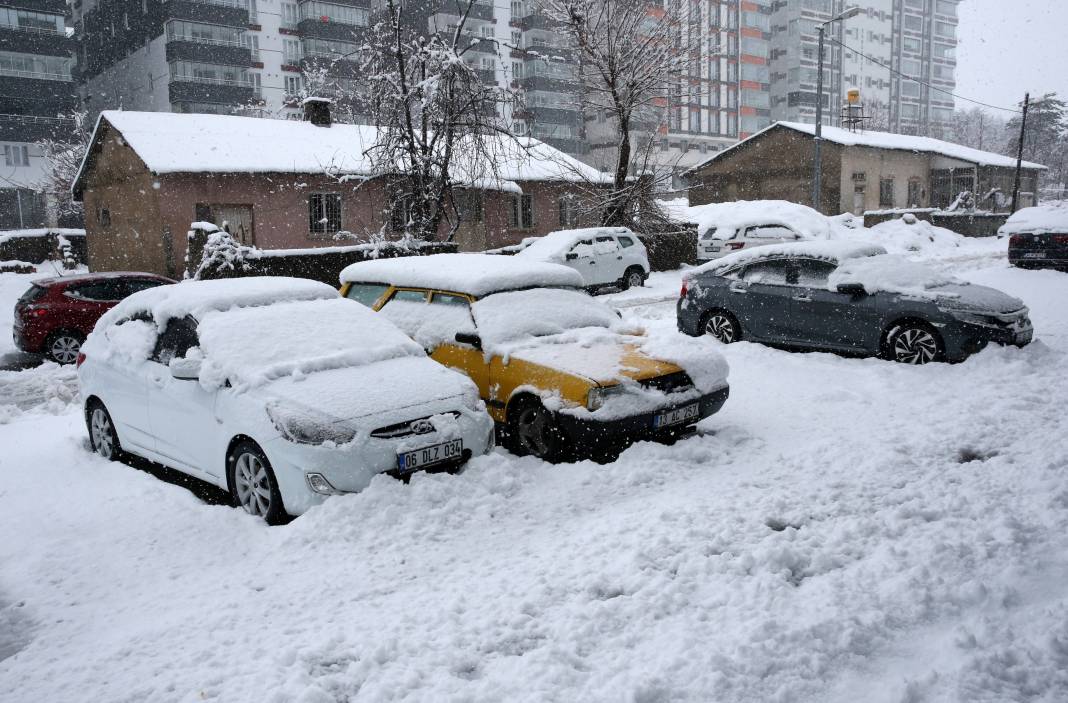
516	315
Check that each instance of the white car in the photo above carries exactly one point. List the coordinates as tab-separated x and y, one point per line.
720	241
275	389
605	256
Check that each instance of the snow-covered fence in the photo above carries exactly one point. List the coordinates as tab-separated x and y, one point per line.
220	256
669	249
37	245
969	223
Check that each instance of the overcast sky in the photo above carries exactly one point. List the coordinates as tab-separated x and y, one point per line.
1008	47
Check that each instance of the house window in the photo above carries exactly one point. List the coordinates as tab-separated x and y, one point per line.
16	155
103	216
568	212
522	211
324	213
886	192
469	205
915	192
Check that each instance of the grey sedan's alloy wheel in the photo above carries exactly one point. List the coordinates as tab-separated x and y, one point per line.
63	347
914	344
535	432
723	327
633	279
102	434
253	484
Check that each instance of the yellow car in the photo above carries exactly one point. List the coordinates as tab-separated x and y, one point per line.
561	373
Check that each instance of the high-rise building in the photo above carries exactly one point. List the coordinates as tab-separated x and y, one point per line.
913	37
36	91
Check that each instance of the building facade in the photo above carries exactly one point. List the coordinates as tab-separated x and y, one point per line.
36	96
917	38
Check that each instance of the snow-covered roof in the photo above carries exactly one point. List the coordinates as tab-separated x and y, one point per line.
558	242
729	217
193	143
1041	219
886	140
197	298
472	274
831	251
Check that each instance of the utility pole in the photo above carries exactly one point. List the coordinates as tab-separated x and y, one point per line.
817	165
981	116
1019	155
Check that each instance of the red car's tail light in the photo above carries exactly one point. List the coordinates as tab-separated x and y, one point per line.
735	245
1060	238
38	312
1015	240
685	288
80	361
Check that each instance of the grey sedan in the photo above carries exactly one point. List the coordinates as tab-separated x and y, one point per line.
805	296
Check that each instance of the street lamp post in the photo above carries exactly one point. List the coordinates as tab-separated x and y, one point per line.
817	165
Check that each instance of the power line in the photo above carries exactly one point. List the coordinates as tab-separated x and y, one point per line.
917	80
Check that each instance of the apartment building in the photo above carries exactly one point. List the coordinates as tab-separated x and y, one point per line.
914	37
36	91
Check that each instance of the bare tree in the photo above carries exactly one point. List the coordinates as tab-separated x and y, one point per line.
63	154
437	114
630	55
977	129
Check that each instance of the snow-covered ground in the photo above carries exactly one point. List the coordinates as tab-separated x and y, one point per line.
844	530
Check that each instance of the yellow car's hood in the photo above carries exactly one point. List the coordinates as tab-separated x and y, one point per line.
603	361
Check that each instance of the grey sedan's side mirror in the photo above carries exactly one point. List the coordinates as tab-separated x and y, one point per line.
852	289
471	339
185	369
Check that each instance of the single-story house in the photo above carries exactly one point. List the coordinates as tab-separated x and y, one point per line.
283	184
860	171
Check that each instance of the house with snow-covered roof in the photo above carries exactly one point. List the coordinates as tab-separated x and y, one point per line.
282	184
861	171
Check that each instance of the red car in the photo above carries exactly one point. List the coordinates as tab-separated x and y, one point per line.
56	314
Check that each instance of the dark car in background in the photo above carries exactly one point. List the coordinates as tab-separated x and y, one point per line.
850	298
55	315
1038	237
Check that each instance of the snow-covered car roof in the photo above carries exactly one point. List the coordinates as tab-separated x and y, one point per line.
104	275
252	345
730	217
559	242
473	274
196	298
1040	219
833	252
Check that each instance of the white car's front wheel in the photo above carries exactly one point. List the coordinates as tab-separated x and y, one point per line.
253	485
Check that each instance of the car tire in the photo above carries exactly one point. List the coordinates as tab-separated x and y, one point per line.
62	347
722	325
253	485
102	435
634	277
914	343
534	431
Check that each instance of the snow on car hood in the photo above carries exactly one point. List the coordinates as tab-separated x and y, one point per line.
975	298
371	396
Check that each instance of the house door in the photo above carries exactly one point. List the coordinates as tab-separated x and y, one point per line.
858	200
237	220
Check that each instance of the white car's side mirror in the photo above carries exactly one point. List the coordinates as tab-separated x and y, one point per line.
185	369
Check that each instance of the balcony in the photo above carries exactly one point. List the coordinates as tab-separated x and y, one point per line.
228	13
337	31
35	40
211	90
30	128
185	48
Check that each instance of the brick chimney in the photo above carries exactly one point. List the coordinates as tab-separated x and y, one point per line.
317	111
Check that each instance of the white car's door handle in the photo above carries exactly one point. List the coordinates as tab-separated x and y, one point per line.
802	299
739	290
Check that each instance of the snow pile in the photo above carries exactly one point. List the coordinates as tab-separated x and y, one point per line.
831	252
8	234
554	245
472	274
251	345
889	273
1047	218
129	342
699	357
911	234
49	388
195	298
727	218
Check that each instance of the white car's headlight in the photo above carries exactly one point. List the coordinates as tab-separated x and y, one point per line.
308	426
597	397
